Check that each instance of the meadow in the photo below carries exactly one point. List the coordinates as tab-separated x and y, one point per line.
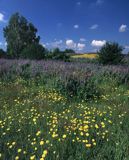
54	110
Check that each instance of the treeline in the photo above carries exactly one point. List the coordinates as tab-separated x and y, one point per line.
23	42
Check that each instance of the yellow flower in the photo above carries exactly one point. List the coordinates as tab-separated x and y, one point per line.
88	145
94	143
32	157
45	152
41	143
81	133
64	136
16	158
34	119
54	135
19	150
87	134
38	133
96	126
13	143
35	148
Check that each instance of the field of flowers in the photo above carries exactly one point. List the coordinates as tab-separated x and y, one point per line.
51	110
90	56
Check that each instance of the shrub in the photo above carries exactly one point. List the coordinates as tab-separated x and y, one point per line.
69	51
2	53
56	54
110	53
34	51
73	87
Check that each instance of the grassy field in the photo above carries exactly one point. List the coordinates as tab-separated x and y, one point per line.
51	110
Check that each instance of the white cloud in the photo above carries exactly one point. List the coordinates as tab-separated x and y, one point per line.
44	45
2	17
70	43
5	43
56	43
126	47
98	43
82	39
81	46
76	26
123	28
1	43
95	26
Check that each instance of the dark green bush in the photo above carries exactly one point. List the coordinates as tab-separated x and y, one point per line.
2	53
56	54
74	87
34	51
110	53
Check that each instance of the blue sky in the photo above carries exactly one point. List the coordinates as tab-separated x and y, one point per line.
84	25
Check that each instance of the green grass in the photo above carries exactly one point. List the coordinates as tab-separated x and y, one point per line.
38	122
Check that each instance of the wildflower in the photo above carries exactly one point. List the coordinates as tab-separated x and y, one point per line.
64	136
38	133
41	143
32	157
87	134
88	145
16	158
13	143
45	152
19	150
96	126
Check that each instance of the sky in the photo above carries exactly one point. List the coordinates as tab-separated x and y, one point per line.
83	25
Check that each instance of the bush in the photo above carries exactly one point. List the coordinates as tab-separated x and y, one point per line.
73	87
110	53
69	51
2	53
56	54
34	51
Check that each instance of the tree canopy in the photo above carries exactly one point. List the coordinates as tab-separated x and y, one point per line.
111	53
19	34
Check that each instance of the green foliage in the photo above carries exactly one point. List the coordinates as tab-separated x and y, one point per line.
57	54
69	51
34	51
73	87
19	34
2	53
110	53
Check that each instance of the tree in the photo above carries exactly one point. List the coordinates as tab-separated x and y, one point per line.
110	53
57	54
19	34
34	51
2	53
69	51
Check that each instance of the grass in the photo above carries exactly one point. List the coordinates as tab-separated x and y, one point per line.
38	122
